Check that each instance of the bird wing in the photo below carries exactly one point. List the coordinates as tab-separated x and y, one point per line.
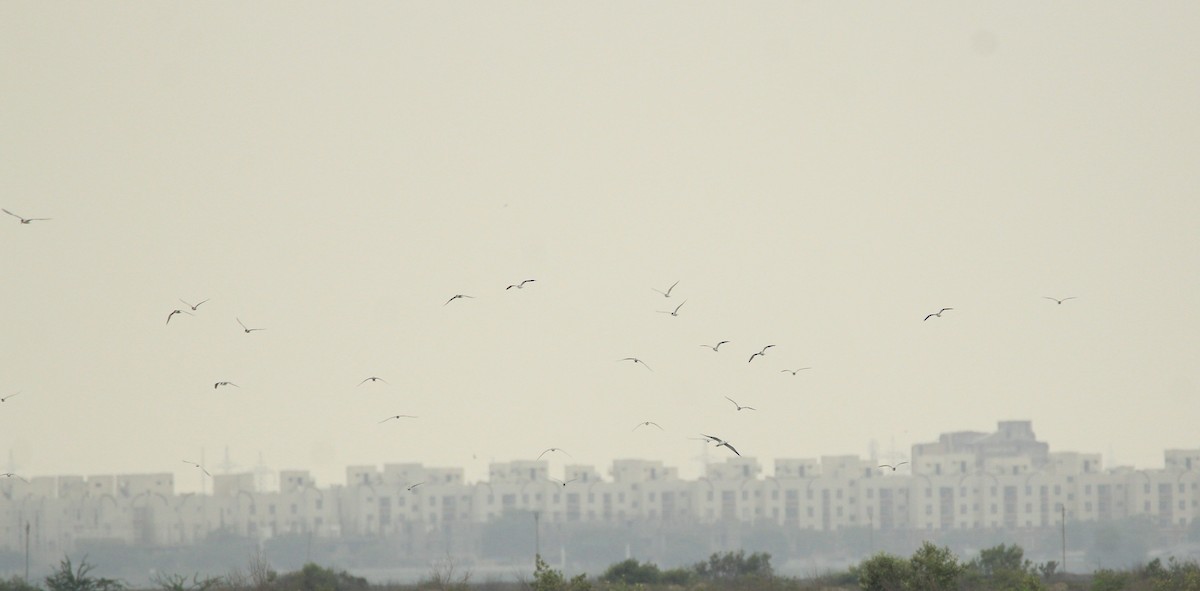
901	463
753	356
716	439
944	310
240	322
526	281
732	400
719	344
680	305
1070	298
726	444
657	425
672	287
201	302
747	408
929	316
767	347
12	214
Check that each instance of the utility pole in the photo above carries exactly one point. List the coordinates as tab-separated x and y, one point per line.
537	540
26	551
1064	537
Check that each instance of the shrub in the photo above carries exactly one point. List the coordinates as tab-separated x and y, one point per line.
16	584
316	578
934	569
181	583
884	572
548	579
68	577
732	566
632	572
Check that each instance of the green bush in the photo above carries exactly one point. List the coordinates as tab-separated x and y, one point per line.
934	569
16	584
182	583
884	572
1109	580
548	579
75	578
732	566
632	572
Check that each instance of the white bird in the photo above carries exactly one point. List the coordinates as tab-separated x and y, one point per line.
760	353
1058	301
410	489
198	466
520	285
372	379
550	449
739	407
248	330
11	475
893	466
938	314
667	294
563	482
174	312
716	346
397	417
24	220
794	371
457	297
721	443
194	306
647	424
5	399
674	312
219	384
636	360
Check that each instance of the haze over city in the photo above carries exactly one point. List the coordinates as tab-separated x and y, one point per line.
815	176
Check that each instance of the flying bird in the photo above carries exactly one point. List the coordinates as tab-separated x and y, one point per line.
563	482
372	379
174	312
647	424
520	285
550	449
760	353
5	399
219	384
11	475
194	306
1058	301
674	312
739	407
667	294
458	296
198	466
410	489
938	314
721	443
248	330
636	360
893	466
397	417
794	371
716	346
25	220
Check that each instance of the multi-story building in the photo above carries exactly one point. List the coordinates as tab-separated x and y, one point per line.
964	480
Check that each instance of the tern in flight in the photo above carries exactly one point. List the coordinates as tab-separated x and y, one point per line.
198	466
457	296
1058	301
23	219
11	475
794	371
563	482
721	443
550	449
372	379
760	353
674	312
739	407
248	330
716	346
938	314
893	466
194	306
520	285
5	399
397	417
219	384
411	488
647	424
174	312
667	294
636	360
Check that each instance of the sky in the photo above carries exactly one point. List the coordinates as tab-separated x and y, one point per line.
818	176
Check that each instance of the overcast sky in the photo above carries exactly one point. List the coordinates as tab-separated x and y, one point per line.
815	175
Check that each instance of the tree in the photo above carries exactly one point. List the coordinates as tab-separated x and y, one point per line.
934	569
631	572
548	579
884	572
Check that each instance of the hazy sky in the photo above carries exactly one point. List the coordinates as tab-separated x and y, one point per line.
816	175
